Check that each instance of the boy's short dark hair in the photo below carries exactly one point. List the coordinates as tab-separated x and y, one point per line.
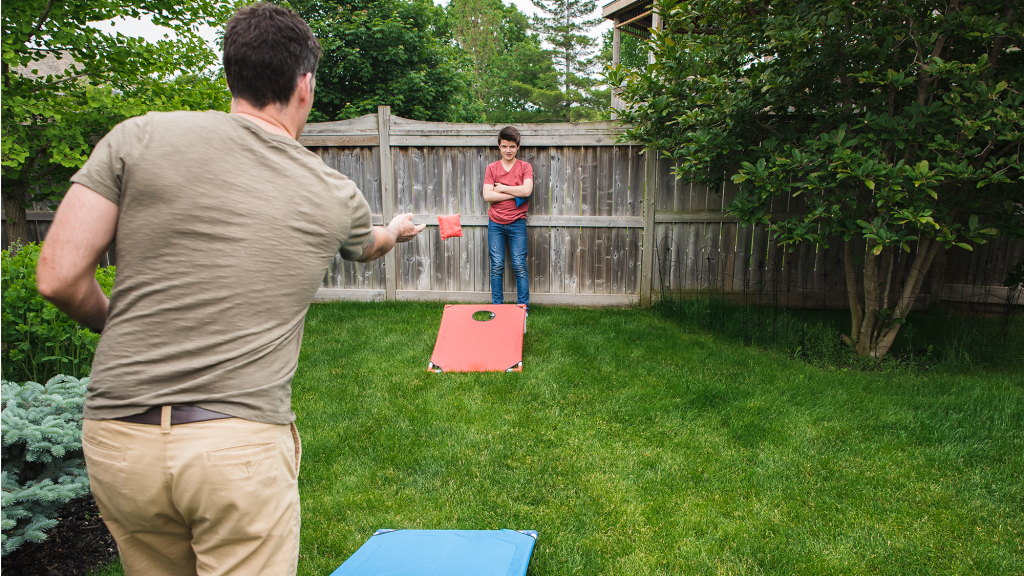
266	49
509	134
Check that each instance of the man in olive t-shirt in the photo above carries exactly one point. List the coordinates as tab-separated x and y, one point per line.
225	225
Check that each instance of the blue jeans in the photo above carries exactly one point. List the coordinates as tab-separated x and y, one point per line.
514	235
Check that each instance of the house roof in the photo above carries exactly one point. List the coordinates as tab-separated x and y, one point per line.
51	65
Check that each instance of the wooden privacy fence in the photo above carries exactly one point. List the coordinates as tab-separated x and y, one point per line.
595	204
605	226
584	225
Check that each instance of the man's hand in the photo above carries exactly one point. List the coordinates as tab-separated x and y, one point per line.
401	229
404	229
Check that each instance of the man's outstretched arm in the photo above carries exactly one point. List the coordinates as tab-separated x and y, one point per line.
401	229
82	230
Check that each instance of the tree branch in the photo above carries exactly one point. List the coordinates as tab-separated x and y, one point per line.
844	79
984	154
67	79
888	261
871	300
925	79
1007	148
852	290
925	254
1010	16
48	171
42	19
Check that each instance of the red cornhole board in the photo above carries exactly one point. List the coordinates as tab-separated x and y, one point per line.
468	345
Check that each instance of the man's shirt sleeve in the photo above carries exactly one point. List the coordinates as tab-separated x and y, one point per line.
360	227
112	159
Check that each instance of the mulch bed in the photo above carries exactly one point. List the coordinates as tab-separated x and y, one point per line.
79	544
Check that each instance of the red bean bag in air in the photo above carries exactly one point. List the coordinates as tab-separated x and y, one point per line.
449	226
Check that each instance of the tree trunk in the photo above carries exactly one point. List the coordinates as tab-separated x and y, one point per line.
889	256
872	293
568	101
872	334
912	289
852	292
14	211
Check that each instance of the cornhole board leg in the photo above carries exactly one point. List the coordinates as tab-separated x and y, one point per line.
491	345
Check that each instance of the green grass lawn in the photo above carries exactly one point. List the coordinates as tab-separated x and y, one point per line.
636	445
639	445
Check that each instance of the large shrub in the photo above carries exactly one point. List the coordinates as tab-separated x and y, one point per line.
891	129
43	465
40	341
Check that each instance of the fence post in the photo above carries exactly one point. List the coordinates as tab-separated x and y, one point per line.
647	246
387	188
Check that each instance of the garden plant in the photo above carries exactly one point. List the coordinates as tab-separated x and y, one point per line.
43	465
39	341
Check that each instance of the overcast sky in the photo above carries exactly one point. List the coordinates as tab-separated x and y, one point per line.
145	27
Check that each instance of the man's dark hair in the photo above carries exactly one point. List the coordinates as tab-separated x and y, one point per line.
266	49
509	134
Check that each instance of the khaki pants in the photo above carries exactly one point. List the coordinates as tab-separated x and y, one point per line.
209	498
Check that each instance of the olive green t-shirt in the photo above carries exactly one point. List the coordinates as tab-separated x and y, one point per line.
224	232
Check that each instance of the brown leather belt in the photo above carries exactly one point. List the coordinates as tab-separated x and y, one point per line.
179	415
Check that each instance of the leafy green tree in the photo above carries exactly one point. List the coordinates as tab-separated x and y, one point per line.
525	89
478	27
514	76
398	53
898	124
65	84
566	26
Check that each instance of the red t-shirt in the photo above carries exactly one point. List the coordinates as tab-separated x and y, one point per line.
506	212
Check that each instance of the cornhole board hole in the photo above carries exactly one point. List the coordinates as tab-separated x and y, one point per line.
480	338
442	553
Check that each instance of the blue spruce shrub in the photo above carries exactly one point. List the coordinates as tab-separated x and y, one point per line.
43	464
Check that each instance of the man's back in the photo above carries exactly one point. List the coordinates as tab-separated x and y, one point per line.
224	232
225	225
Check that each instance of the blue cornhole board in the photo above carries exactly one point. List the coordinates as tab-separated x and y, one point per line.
442	553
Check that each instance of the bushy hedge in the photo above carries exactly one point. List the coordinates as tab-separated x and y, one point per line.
40	341
43	464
